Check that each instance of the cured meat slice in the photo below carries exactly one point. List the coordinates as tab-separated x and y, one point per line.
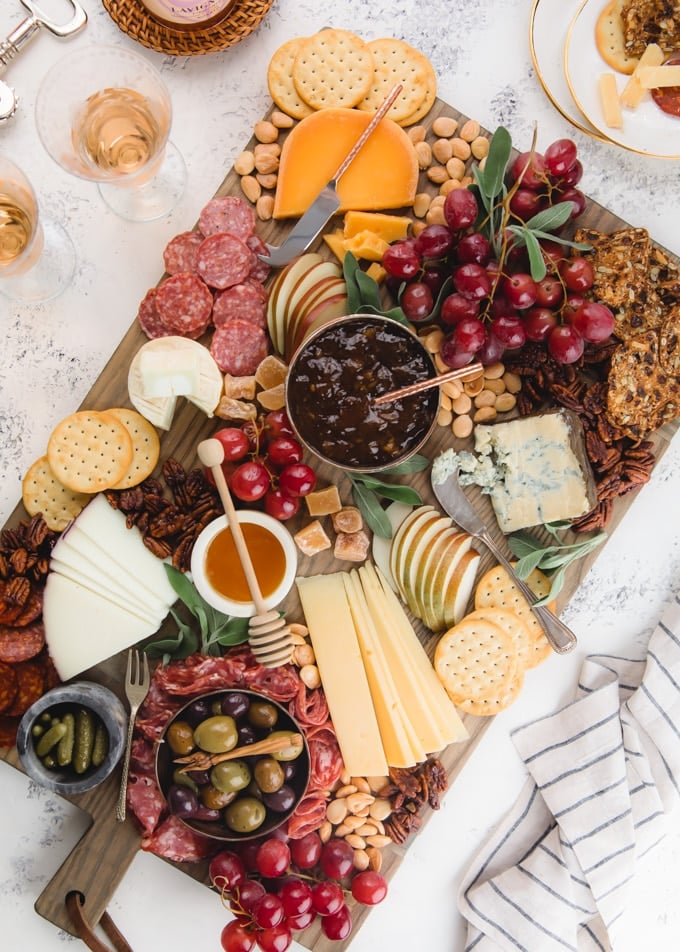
21	644
9	686
308	816
227	213
180	252
174	841
31	684
223	260
309	707
238	347
243	301
260	269
325	758
8	730
149	318
280	684
199	673
184	304
31	610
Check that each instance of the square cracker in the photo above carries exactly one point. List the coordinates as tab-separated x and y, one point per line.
333	68
396	62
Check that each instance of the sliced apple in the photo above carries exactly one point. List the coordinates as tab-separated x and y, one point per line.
396	512
421	512
279	292
311	279
438	593
307	309
325	311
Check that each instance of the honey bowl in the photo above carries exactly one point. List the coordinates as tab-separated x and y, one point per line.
216	568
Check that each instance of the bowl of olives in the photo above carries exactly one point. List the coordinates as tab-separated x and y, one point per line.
71	739
233	765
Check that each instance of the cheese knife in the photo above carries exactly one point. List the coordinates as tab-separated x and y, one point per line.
326	203
455	503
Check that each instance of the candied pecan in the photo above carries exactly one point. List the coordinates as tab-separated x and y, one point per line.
131	500
407	780
168	522
19	560
160	548
525	404
566	397
597	518
181	557
5	567
595	446
38	532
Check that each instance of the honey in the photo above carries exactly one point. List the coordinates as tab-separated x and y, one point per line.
223	568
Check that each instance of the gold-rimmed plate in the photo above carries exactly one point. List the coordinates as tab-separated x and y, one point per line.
548	26
646	130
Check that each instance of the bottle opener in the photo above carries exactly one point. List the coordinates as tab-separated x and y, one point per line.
19	37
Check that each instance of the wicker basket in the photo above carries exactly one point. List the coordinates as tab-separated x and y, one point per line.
133	19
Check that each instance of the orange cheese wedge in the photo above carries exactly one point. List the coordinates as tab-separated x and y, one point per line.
383	175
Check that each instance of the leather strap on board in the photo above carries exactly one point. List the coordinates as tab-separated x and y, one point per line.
74	904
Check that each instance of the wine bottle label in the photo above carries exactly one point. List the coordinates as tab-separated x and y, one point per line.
186	12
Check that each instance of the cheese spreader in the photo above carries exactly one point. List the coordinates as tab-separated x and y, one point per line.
326	203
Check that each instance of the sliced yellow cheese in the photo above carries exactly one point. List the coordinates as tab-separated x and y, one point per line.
388	227
634	91
658	77
384	174
338	655
400	742
609	100
336	242
432	712
367	245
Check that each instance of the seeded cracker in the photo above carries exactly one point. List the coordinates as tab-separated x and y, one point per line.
610	40
42	492
333	68
641	396
280	80
89	451
145	446
650	21
396	62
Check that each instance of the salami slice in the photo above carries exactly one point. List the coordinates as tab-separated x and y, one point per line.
149	318
184	304
260	269
8	730
180	252
21	644
242	301
239	347
308	816
31	686
229	213
31	610
174	841
223	260
325	758
9	686
309	707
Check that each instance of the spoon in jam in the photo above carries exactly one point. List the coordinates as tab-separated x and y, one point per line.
268	632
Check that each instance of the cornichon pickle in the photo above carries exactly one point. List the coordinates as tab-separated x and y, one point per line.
84	740
49	761
65	748
51	737
100	747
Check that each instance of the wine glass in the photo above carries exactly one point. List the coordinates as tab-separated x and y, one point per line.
104	114
37	257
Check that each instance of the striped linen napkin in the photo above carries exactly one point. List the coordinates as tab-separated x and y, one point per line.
604	774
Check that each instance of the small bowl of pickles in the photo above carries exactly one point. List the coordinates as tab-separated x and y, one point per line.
233	765
71	739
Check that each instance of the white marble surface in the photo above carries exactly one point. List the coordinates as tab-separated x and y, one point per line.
51	354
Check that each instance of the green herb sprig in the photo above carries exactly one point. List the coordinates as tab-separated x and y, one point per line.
552	559
368	491
215	629
363	292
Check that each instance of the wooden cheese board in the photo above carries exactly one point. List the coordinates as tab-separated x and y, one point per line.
99	861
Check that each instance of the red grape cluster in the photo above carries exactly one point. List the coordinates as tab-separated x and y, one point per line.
490	303
263	461
266	916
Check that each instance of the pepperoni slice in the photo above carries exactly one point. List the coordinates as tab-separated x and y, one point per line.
31	686
260	269
21	644
243	301
149	318
308	816
184	304
326	759
239	347
9	686
223	260
31	610
8	730
228	213
180	252
309	707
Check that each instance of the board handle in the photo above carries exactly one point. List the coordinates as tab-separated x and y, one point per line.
96	865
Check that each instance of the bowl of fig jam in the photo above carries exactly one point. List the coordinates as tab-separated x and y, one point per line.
333	380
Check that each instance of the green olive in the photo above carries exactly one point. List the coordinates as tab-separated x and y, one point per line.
230	776
217	734
262	714
288	753
180	736
215	799
184	780
245	815
268	774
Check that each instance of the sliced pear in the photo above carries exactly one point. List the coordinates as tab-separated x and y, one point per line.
460	587
440	579
419	544
422	512
429	564
396	512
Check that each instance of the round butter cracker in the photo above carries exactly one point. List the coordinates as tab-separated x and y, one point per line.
610	41
514	626
42	492
490	706
396	62
146	446
89	451
475	659
496	589
280	80
333	68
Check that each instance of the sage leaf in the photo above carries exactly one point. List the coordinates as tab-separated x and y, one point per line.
537	265
526	565
368	288
374	514
550	218
414	464
490	181
396	492
350	266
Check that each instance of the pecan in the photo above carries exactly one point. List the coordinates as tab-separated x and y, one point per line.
168	522
19	561
597	518
181	557
131	500
160	548
37	532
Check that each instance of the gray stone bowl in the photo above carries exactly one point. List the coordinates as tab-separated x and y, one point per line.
98	699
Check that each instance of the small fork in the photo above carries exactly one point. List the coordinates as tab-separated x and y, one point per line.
136	689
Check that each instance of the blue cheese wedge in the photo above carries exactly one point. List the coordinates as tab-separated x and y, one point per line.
534	469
